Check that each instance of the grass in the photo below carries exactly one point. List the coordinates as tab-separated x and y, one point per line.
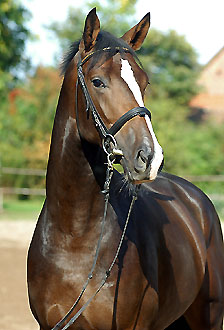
15	209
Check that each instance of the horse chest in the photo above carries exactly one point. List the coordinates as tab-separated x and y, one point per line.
125	287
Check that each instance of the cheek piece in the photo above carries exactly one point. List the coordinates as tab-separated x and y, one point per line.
107	135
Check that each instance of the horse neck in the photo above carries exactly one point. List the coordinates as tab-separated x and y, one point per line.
72	191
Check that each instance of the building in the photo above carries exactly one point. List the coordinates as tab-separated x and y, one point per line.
210	101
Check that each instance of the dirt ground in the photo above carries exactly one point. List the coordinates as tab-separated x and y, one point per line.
14	241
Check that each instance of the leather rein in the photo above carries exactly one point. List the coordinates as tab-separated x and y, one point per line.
107	136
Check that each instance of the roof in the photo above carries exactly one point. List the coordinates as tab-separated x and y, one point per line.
212	75
214	57
208	102
211	81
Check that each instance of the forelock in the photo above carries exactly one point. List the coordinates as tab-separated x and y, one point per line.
104	40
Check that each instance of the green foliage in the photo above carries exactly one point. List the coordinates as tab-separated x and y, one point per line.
26	126
21	210
169	59
6	80
189	148
172	66
70	30
110	13
13	34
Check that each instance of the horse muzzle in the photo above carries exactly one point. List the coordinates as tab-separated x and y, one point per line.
145	166
140	163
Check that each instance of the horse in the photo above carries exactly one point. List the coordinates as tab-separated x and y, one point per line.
138	250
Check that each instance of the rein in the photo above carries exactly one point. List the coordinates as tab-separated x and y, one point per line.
109	175
107	136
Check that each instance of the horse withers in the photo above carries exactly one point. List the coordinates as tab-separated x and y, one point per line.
163	255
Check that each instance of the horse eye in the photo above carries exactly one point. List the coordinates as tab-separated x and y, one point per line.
98	83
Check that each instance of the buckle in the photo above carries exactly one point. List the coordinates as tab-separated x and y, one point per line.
110	146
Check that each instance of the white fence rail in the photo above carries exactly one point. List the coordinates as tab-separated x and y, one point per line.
22	171
42	192
20	191
205	178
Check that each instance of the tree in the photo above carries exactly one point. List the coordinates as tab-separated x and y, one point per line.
110	12
189	148
169	59
172	65
25	130
13	34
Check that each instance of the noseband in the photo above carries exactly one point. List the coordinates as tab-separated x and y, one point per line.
107	135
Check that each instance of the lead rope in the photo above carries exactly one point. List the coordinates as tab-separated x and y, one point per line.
109	175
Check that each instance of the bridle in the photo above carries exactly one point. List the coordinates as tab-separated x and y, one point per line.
60	324
108	139
106	135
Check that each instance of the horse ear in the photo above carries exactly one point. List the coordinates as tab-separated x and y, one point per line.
135	36
91	30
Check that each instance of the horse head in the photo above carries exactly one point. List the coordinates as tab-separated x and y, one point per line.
110	87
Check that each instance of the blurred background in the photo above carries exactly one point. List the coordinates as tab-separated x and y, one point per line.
183	56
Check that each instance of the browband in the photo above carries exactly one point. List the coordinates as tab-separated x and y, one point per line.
106	49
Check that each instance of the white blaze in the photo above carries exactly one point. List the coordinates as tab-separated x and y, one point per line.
128	75
158	151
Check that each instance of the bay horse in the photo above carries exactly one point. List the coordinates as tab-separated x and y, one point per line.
157	262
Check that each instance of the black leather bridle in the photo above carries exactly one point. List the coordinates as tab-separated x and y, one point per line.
107	135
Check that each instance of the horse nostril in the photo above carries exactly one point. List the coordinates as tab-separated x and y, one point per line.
142	156
143	160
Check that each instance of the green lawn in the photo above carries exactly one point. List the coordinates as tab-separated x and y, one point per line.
14	209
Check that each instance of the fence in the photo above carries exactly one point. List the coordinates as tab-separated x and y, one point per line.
208	178
20	191
42	192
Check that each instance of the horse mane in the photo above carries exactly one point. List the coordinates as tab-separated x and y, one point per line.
104	40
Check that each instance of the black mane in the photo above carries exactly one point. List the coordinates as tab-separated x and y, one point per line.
104	40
